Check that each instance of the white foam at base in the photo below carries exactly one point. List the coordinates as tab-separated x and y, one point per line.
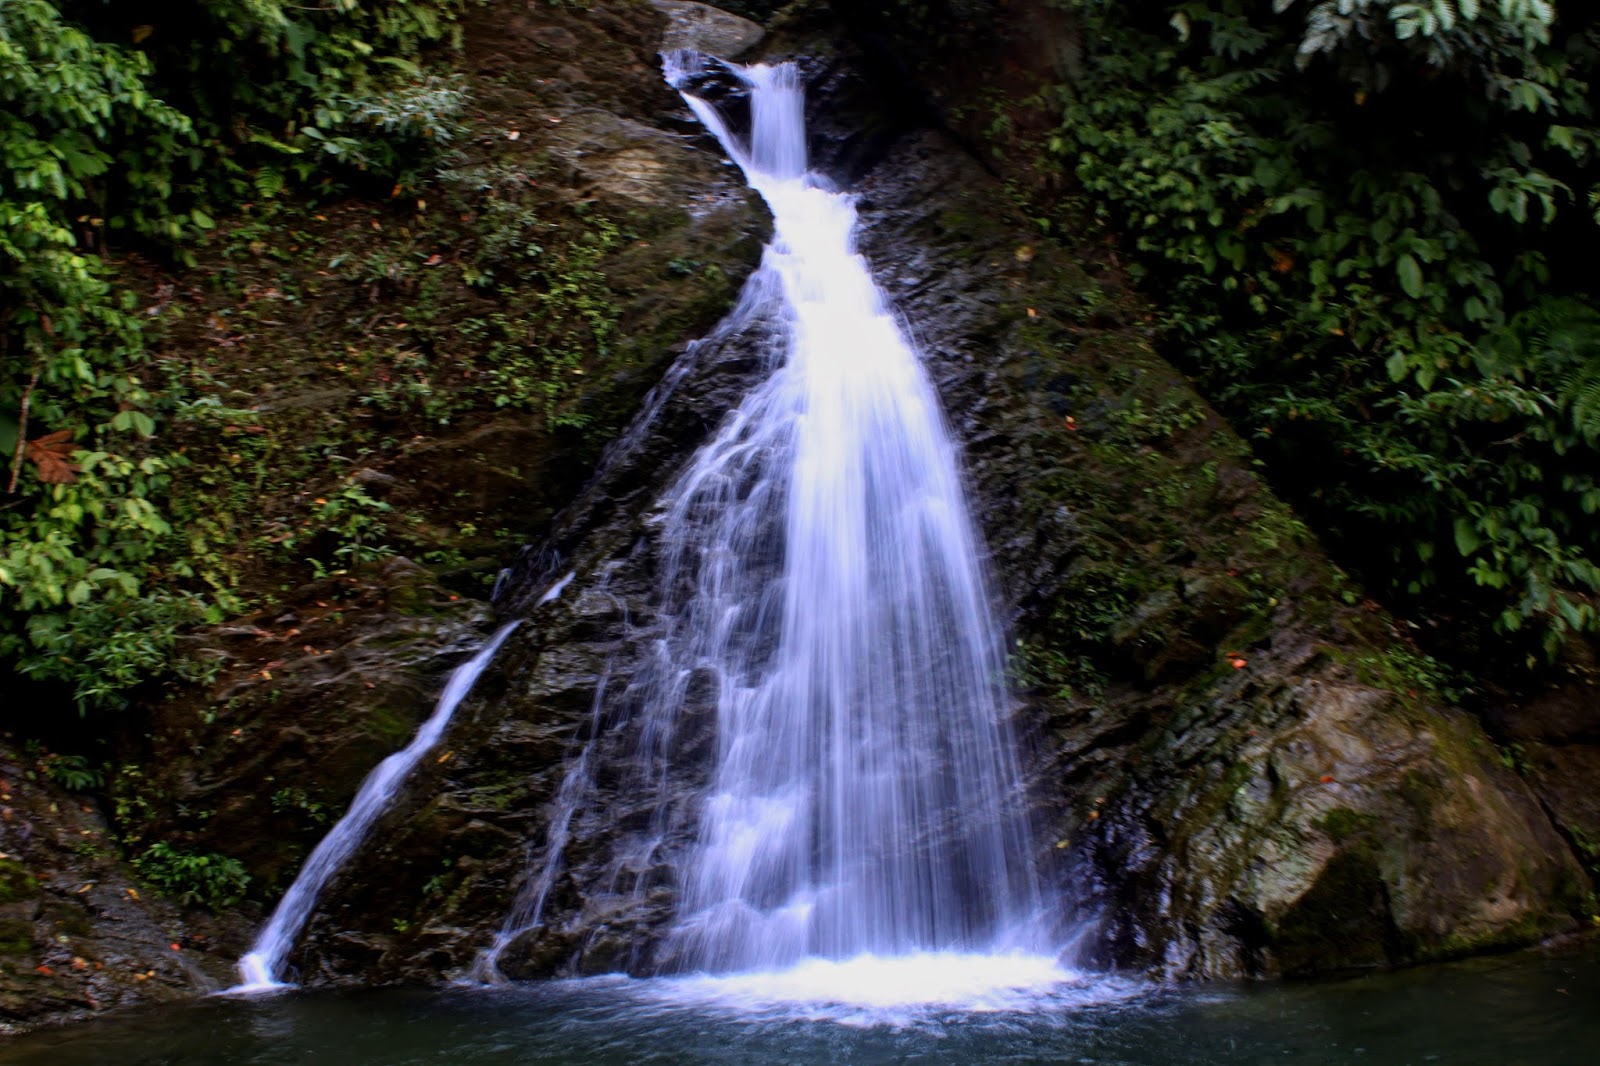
255	978
873	990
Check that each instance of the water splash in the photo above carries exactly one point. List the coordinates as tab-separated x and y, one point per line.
895	991
261	969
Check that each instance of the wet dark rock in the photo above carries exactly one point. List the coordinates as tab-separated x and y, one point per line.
80	932
562	680
1552	739
257	766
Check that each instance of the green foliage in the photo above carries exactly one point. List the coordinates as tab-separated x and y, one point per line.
210	880
71	772
1361	214
574	317
117	133
353	521
534	351
297	801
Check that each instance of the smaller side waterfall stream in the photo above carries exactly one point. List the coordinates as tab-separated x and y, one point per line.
261	969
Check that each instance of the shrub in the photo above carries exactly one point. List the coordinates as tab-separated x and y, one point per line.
1368	221
211	880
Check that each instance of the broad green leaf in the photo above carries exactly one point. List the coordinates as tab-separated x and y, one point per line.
1410	276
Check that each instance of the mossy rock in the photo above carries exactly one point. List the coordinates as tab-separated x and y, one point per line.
16	936
17	883
1343	923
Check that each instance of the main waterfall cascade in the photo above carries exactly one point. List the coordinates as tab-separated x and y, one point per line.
821	578
863	833
866	796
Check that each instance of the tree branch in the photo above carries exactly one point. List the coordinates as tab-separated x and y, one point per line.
22	432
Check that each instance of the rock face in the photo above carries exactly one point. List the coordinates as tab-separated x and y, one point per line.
1241	776
79	932
1553	740
1239	766
569	118
706	29
476	835
1256	777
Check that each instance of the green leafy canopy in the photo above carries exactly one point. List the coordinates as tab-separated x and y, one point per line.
113	135
1372	222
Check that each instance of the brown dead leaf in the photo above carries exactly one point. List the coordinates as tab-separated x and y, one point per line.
51	456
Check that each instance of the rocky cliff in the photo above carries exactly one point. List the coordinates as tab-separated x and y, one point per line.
1240	762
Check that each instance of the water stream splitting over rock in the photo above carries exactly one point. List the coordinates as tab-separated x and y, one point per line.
262	968
821	577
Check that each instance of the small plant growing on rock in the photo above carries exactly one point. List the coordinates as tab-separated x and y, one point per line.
211	880
71	772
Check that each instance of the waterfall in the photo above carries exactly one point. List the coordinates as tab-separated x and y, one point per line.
821	567
261	968
823	619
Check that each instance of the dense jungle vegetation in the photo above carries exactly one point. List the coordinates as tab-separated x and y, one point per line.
187	190
1371	224
1368	222
129	127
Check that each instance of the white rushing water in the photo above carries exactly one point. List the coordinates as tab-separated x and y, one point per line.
866	801
262	969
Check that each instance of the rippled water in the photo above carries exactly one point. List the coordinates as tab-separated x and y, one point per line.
1532	1009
